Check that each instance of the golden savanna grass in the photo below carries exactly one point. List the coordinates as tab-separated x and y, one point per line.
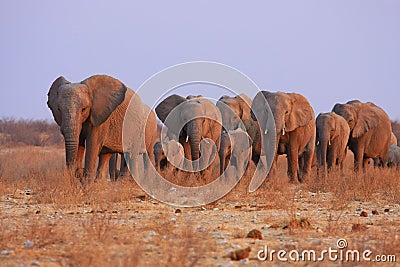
115	224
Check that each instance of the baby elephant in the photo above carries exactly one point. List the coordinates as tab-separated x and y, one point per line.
394	156
236	148
175	153
332	136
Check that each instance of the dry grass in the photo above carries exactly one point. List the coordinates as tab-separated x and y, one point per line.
111	224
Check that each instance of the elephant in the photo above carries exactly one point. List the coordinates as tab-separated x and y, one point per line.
191	120
151	137
393	139
295	129
175	153
234	110
370	131
332	136
91	116
394	156
235	149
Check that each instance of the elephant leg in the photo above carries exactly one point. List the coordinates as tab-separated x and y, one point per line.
113	167
274	167
307	164
124	171
358	161
293	164
102	168
92	154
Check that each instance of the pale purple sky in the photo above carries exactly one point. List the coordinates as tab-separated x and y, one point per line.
329	51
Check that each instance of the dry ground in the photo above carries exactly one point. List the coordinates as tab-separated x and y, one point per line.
48	219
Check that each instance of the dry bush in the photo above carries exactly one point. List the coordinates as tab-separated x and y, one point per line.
29	132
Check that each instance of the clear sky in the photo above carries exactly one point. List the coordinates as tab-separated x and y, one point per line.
329	51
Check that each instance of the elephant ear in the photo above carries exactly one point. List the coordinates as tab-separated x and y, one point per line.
108	93
245	106
167	105
301	113
52	96
367	120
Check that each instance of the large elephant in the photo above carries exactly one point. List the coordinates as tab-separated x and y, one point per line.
295	129
90	115
332	136
234	110
235	149
370	131
191	120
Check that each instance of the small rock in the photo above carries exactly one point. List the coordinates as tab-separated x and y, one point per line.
358	209
357	227
239	254
35	263
375	212
29	244
178	211
215	209
172	220
275	226
364	214
5	252
37	211
28	192
202	208
222	242
255	234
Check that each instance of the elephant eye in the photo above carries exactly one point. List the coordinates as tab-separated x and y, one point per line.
83	109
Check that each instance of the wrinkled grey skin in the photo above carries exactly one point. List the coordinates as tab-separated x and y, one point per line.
177	113
234	110
332	136
90	115
235	149
394	156
370	131
295	129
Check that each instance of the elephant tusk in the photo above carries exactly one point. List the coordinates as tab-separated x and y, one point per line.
317	143
187	138
266	131
329	142
283	131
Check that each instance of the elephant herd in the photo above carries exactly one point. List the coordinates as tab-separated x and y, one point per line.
197	134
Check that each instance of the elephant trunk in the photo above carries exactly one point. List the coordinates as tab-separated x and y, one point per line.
71	150
322	151
194	131
71	136
223	153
